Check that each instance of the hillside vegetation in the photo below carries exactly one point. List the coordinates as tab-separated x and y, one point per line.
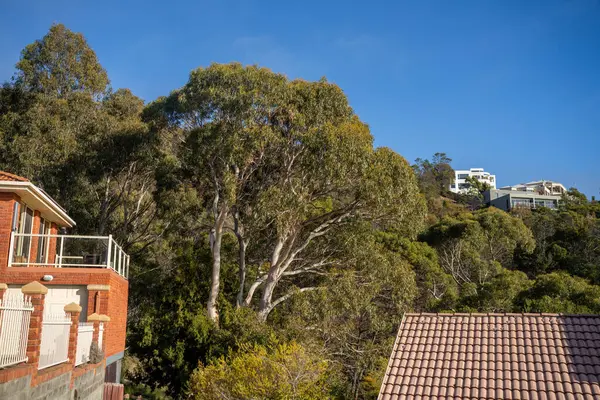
274	248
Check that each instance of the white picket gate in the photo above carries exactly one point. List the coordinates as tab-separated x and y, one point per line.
84	342
54	348
15	314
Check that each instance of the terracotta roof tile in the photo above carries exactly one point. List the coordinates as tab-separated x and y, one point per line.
490	356
7	176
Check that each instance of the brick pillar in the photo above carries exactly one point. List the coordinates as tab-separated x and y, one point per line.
95	318
37	292
97	299
33	246
73	309
3	289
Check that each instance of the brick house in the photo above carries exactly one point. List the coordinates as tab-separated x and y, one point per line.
495	356
63	300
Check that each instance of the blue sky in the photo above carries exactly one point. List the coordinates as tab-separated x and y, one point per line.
510	86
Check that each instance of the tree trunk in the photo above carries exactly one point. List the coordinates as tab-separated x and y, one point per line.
242	244
242	271
267	295
211	306
252	289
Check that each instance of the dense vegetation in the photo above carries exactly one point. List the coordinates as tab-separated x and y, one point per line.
275	248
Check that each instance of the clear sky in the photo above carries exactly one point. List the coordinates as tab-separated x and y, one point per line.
512	86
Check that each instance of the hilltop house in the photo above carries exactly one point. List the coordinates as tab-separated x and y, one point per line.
526	195
460	184
495	356
63	300
543	187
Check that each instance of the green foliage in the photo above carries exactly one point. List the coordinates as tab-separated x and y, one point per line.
278	372
356	315
558	292
61	63
437	289
500	294
434	176
568	239
475	246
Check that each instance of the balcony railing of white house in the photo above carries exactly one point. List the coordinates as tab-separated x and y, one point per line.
15	314
70	251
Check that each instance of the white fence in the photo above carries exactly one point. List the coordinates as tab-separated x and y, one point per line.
84	342
100	335
54	348
69	251
15	314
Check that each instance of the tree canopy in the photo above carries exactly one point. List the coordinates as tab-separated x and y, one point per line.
61	63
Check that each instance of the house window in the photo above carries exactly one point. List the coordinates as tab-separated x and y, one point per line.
43	242
516	203
23	237
463	176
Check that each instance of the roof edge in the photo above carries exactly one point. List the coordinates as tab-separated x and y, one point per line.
500	315
390	361
16	178
43	196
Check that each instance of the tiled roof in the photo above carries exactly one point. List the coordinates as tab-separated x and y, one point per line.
495	356
7	176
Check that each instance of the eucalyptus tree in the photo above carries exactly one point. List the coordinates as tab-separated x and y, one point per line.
282	164
61	63
228	113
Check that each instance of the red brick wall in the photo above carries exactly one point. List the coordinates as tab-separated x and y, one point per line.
62	276
116	329
7	201
52	246
35	240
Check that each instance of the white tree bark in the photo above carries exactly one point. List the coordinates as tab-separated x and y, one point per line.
215	276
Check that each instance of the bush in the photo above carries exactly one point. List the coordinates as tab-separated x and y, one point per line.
285	371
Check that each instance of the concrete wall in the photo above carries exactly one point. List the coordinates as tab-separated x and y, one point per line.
88	385
17	389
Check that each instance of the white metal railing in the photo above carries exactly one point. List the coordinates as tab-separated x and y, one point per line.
68	251
100	335
54	348
15	314
85	333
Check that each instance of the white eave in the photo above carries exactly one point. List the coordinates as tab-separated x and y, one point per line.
39	200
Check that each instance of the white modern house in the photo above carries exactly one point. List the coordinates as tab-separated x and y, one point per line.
543	187
460	184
